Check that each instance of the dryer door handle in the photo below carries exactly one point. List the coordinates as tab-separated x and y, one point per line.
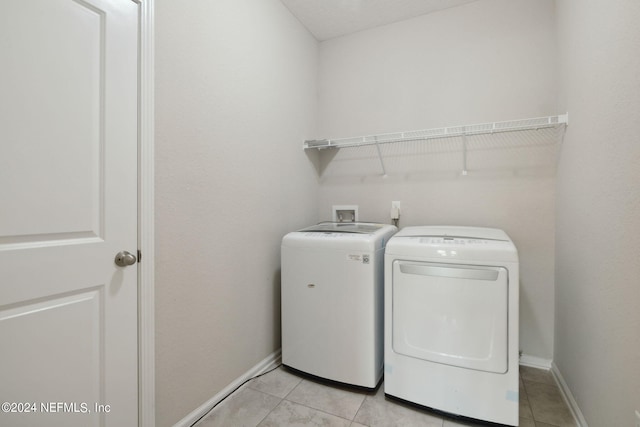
457	272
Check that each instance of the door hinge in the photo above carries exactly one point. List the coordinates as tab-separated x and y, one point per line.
139	255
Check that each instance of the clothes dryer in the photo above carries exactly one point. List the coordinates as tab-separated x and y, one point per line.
451	321
333	303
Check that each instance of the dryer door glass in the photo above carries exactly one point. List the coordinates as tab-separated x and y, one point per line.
452	314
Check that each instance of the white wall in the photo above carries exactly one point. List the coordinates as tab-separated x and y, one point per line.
597	333
236	90
489	60
235	98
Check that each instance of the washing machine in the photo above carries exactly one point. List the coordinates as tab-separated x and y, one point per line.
451	321
333	302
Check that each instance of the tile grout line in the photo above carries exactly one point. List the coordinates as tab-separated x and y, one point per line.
295	387
269	413
282	399
248	385
360	407
319	410
524	384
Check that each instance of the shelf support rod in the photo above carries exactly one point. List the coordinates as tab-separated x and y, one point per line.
384	171
464	152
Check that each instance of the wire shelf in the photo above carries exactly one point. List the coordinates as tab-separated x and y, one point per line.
437	133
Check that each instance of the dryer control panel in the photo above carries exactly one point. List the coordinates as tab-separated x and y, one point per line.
454	241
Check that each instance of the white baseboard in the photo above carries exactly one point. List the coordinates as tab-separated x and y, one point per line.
535	362
568	397
261	367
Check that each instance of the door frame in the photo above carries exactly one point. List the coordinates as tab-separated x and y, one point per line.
146	325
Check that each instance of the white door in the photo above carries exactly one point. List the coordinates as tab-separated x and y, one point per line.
68	204
452	314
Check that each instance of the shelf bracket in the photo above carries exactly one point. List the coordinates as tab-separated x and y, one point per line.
464	152
384	171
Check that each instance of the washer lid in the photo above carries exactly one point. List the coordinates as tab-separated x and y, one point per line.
454	231
330	235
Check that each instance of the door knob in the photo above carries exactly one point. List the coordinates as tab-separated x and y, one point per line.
124	258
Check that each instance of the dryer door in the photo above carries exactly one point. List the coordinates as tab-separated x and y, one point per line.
450	313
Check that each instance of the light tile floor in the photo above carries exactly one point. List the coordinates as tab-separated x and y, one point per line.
281	398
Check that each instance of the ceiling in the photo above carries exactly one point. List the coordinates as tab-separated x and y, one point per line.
327	19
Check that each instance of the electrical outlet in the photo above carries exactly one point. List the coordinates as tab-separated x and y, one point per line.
395	210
